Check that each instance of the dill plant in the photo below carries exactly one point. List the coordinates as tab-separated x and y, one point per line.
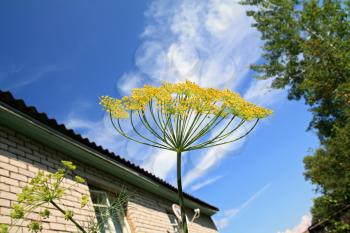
182	117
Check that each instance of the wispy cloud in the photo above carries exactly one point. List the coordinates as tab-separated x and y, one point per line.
209	42
16	77
301	227
103	134
260	92
98	131
128	81
212	156
205	183
160	162
224	221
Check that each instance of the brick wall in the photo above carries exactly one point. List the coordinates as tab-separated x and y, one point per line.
21	158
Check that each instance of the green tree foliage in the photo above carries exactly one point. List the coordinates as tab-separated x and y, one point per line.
307	50
329	169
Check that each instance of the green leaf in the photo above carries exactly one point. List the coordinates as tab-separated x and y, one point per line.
69	165
4	228
35	226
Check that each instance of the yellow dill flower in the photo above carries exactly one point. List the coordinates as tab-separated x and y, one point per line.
181	98
182	114
114	106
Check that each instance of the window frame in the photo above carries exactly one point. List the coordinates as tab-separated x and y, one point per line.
174	224
121	218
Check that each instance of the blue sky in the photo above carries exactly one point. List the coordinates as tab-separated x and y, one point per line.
60	56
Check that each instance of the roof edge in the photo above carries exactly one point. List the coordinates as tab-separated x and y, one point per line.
27	120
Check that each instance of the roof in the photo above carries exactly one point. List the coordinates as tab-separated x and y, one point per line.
30	111
320	225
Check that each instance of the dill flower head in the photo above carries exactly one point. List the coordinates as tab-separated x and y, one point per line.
181	99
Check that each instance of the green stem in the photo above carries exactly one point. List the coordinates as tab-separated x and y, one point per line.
183	223
70	218
121	131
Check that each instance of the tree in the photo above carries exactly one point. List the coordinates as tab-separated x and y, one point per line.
307	50
182	117
329	169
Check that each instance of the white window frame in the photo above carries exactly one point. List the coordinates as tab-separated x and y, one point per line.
120	216
175	225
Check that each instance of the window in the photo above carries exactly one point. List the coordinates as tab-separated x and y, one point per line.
174	223
109	220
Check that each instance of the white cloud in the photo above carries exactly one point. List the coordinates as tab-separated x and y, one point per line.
104	134
301	227
160	162
211	157
224	220
100	132
214	155
208	42
261	93
205	183
129	81
17	77
255	196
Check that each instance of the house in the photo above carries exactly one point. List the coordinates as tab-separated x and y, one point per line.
342	215
30	141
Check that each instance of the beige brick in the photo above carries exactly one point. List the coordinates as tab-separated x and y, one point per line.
8	196
25	160
26	230
4	172
26	172
57	226
14	189
4	159
33	169
5	219
5	211
22	184
9	181
71	228
8	167
32	216
81	218
18	163
4	187
5	203
19	177
70	198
